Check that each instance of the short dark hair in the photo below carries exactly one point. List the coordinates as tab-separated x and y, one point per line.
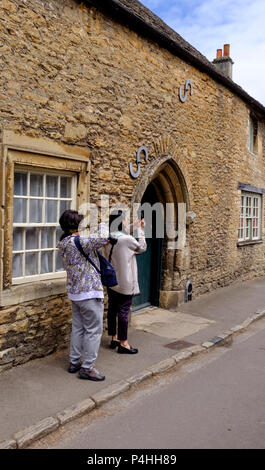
69	222
115	224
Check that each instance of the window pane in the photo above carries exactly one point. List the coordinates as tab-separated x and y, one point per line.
17	265
51	186
51	211
47	237
59	262
36	185
35	210
20	210
31	267
59	232
32	239
46	262
20	184
64	205
17	239
248	227
65	187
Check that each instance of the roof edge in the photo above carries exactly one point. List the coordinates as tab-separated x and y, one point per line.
120	13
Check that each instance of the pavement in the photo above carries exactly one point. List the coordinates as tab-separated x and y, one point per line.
40	396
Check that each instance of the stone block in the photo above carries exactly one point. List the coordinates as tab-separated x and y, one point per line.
9	6
8	444
75	411
197	349
110	392
7	315
182	356
260	312
7	356
237	328
19	326
170	300
247	322
28	435
162	366
207	344
140	377
74	133
226	338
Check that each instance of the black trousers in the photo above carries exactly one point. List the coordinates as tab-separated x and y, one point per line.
118	307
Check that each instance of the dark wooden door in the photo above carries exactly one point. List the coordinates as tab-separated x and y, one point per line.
149	263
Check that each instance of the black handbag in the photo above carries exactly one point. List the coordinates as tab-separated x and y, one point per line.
106	271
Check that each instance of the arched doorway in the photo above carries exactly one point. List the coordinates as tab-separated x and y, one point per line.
160	269
150	262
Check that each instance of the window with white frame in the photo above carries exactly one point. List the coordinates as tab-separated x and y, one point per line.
39	200
250	217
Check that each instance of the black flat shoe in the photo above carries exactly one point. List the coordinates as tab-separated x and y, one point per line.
123	350
114	344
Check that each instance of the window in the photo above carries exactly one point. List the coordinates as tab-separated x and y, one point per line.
253	132
250	217
39	200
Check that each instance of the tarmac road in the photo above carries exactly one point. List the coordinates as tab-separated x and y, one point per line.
215	401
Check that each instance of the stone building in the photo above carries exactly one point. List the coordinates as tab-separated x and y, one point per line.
85	85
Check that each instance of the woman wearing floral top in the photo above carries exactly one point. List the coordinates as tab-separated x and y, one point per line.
85	290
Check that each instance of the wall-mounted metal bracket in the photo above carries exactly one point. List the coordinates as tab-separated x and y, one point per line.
138	161
188	84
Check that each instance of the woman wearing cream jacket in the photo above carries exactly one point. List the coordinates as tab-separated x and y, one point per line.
122	256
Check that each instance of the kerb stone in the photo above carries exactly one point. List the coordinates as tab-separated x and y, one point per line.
75	411
182	356
136	379
110	392
9	444
28	435
162	366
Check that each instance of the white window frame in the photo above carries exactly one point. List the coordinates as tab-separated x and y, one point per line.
250	217
45	172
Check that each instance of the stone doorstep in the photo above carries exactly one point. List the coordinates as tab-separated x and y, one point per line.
24	438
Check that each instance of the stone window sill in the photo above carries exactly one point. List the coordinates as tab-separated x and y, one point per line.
249	242
32	291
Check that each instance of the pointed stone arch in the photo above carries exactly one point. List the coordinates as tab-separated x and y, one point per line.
168	173
173	171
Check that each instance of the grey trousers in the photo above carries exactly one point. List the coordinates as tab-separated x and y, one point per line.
87	328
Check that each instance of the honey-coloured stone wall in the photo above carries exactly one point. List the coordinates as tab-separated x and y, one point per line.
73	76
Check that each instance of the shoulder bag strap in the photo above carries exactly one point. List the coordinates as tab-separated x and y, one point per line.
110	255
80	248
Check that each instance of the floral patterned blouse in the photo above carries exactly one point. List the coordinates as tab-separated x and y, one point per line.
83	281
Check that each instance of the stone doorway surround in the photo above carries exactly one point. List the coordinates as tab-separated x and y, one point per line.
168	173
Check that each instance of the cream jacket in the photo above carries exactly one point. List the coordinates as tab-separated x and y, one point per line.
123	260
